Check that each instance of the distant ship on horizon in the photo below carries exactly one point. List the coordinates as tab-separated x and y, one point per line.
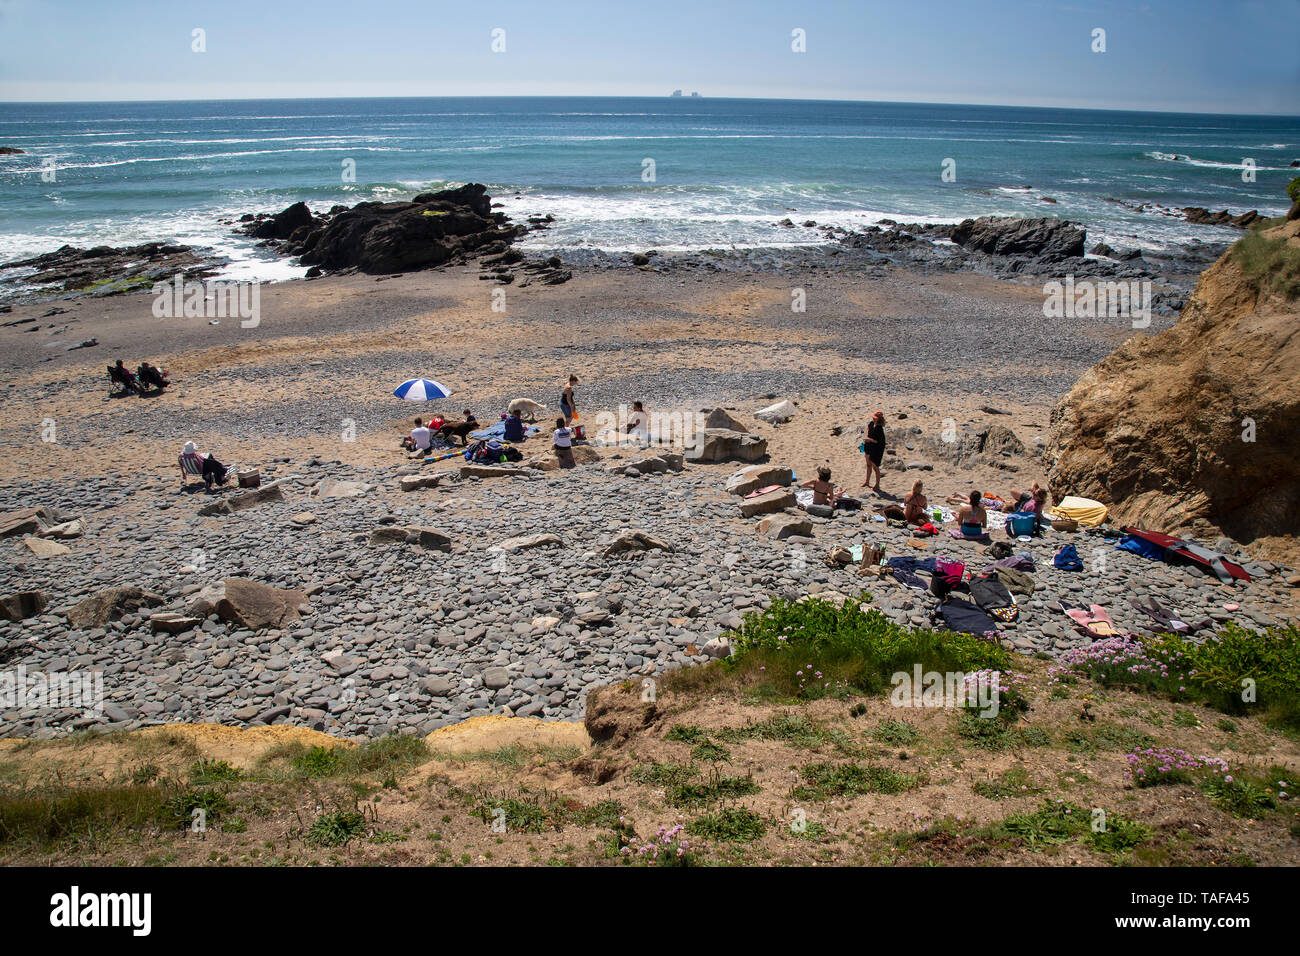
679	93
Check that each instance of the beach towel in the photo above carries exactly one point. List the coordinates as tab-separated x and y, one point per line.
1067	559
1017	562
1141	546
1166	620
989	592
906	562
1176	549
960	615
1094	621
908	579
1087	512
957	533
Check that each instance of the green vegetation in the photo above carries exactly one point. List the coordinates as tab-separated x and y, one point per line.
731	825
1015	782
822	781
336	828
812	649
896	732
1235	671
1270	263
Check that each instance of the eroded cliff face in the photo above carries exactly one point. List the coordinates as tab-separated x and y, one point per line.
1196	429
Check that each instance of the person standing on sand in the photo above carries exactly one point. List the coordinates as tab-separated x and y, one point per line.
873	449
568	404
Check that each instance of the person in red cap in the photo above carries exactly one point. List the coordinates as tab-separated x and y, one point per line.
873	449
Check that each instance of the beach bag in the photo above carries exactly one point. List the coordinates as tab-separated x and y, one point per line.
1018	524
1067	559
1065	524
872	555
839	556
990	593
950	571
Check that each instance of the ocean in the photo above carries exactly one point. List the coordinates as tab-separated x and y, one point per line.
624	174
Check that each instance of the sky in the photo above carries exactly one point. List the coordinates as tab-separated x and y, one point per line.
1188	56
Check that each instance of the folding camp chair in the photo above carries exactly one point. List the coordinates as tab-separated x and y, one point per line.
191	466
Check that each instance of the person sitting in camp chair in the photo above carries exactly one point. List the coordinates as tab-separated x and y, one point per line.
152	376
212	471
119	374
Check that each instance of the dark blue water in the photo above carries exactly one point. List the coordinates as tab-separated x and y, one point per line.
725	171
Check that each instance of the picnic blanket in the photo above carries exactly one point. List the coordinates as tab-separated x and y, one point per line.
499	430
1087	512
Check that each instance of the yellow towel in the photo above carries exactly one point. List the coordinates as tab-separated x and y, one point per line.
1087	512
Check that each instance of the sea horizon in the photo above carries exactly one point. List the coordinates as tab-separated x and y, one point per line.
626	174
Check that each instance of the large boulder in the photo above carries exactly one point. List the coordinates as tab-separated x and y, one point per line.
26	521
21	605
776	414
430	230
1048	239
253	605
768	503
634	541
111	604
244	500
284	224
782	525
753	477
721	418
722	444
1194	429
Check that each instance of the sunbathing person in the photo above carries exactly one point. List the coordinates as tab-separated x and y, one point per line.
460	429
1033	501
824	491
972	518
914	506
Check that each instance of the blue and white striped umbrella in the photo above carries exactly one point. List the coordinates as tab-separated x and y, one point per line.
421	390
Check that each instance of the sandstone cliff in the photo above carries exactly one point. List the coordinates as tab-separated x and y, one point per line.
1197	429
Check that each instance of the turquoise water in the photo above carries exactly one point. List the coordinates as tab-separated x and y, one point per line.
725	170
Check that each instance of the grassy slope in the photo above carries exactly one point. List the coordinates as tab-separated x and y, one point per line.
875	784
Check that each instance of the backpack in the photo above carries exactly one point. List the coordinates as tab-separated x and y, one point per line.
1067	559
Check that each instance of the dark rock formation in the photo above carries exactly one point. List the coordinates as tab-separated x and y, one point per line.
382	238
1203	217
1050	239
111	270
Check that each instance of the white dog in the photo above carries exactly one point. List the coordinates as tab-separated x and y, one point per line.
526	406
